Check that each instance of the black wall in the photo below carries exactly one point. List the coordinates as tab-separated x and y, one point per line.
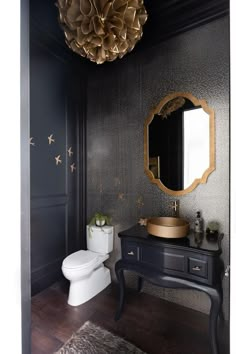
57	86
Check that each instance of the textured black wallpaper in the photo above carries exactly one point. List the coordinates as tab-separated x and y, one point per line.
120	96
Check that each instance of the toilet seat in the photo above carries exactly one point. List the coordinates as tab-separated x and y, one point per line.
80	260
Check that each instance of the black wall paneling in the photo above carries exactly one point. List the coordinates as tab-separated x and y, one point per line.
53	185
56	130
25	180
82	167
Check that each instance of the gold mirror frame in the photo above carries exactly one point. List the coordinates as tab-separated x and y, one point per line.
149	119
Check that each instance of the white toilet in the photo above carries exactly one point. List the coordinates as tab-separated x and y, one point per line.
85	269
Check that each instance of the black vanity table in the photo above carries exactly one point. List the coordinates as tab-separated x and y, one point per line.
185	263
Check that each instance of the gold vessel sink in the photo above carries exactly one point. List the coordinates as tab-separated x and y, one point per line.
168	227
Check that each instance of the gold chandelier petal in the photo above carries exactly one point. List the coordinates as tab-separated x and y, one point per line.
119	12
80	37
98	27
109	41
119	15
117	4
62	16
69	35
123	33
73	46
116	31
73	11
86	26
117	22
101	53
101	4
135	4
87	8
115	49
92	52
132	32
107	9
62	3
123	47
136	24
96	41
130	16
143	18
71	25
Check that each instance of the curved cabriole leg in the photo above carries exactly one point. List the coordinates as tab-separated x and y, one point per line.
216	301
121	281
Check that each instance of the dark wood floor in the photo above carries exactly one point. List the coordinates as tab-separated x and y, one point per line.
154	325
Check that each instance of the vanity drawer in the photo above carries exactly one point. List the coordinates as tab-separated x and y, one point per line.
198	267
163	258
130	251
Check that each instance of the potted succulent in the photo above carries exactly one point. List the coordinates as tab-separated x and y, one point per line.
212	230
99	219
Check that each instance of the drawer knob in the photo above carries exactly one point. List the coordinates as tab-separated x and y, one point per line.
131	253
196	268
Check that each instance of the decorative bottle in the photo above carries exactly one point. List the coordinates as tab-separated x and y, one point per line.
198	224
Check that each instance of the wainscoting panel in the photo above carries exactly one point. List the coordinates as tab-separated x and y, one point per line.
49	237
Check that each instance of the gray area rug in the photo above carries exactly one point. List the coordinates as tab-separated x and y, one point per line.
92	339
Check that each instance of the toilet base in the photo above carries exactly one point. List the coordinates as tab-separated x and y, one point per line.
86	288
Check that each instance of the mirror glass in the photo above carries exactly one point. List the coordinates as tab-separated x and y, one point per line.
179	143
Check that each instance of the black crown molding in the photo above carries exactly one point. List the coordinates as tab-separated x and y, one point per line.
168	18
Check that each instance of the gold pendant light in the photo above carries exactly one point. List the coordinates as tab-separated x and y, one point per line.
102	30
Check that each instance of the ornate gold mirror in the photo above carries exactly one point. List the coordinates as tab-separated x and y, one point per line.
179	143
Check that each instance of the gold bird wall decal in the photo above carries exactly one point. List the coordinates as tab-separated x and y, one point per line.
50	139
72	167
70	152
58	160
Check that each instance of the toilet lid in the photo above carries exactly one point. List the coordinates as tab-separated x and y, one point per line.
80	259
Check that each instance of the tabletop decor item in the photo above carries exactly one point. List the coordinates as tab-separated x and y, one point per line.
98	219
212	231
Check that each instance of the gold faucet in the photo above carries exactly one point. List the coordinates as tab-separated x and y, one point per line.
175	207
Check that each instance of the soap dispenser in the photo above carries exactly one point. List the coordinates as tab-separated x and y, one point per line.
198	223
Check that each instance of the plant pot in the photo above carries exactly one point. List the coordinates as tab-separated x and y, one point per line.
100	222
212	235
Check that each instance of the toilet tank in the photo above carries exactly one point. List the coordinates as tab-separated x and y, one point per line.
100	239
